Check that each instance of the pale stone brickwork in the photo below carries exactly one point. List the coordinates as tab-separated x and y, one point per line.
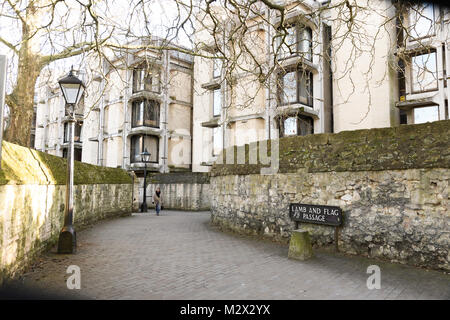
182	196
391	183
32	217
32	202
182	190
399	215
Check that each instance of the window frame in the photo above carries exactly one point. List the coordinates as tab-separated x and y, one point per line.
76	152
299	71
143	104
297	27
66	131
299	118
214	102
412	26
217	67
423	107
411	75
213	140
142	147
146	75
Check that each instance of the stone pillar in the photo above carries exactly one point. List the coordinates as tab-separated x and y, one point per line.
300	247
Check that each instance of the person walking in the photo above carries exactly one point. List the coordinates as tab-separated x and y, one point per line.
157	199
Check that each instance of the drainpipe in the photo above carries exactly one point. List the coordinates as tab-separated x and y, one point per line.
447	67
224	87
101	120
268	86
125	116
166	108
192	115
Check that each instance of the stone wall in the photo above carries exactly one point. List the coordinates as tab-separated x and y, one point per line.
395	201
181	190
32	199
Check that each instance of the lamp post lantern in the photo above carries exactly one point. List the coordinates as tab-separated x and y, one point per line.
72	89
145	158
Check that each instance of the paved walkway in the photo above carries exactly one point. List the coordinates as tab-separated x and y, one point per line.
179	256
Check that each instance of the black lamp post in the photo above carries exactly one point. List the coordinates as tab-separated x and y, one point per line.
72	89
145	158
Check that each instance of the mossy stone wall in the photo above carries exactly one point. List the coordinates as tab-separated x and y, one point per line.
32	202
21	165
405	147
180	190
391	183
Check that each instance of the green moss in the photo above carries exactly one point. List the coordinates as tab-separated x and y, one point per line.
404	147
22	165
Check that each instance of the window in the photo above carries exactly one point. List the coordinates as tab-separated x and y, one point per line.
77	153
290	126
421	20
403	117
217	102
424	72
401	78
79	107
145	113
32	140
146	79
77	133
426	114
139	143
296	126
298	42
295	86
217	141
444	66
217	68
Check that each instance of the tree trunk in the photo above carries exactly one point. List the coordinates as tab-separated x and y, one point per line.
21	102
21	99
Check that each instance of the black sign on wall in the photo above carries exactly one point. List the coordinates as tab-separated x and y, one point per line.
327	215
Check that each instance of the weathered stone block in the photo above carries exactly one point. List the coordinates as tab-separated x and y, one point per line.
300	247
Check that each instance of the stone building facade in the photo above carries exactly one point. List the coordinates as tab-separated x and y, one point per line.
296	99
184	110
397	75
140	101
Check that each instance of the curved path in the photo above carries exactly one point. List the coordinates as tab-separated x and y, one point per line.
179	256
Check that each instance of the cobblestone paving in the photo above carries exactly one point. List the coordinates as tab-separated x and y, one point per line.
179	256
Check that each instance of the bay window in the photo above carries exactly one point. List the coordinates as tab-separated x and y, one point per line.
217	68
217	102
297	42
295	86
141	142
77	153
296	125
77	133
424	72
426	114
145	113
146	79
421	20
217	141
